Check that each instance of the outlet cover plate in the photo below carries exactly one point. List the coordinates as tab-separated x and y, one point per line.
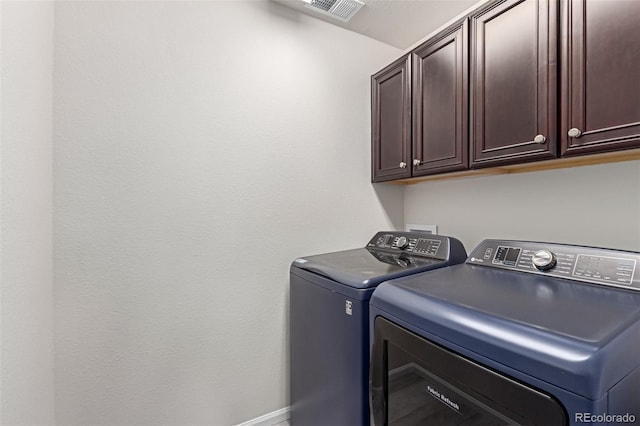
430	229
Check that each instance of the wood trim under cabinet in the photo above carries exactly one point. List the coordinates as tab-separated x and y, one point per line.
560	163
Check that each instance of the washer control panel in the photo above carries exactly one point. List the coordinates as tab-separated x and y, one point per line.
615	268
414	243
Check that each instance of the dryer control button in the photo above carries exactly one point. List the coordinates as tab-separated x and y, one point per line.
544	260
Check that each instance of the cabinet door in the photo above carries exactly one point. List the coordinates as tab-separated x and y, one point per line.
513	82
391	122
600	76
440	103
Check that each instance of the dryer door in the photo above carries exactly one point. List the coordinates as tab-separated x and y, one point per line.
416	382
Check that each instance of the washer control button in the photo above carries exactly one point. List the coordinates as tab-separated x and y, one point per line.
544	260
402	242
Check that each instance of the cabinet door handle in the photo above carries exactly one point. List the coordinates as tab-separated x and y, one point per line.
416	162
403	165
540	139
574	133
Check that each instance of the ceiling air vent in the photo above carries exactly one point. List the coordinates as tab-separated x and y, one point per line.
339	9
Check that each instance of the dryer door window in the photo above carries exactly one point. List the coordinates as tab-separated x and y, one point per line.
416	382
419	397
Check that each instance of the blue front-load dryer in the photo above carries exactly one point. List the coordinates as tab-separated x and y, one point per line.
522	333
329	314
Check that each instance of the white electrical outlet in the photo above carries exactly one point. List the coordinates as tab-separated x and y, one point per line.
429	229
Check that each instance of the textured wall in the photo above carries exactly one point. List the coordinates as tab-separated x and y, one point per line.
199	148
27	249
591	205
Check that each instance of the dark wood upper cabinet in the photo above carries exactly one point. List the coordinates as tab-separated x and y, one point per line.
600	76
514	82
391	121
440	103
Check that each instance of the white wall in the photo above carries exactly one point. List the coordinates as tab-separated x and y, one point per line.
590	205
27	249
199	148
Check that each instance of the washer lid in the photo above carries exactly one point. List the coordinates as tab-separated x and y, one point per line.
364	267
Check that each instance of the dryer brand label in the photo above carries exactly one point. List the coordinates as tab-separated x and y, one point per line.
443	398
348	307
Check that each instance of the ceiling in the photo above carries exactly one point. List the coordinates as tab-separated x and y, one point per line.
400	23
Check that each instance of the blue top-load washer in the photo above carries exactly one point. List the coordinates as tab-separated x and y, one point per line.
522	333
329	313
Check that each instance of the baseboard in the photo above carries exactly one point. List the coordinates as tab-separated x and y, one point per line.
269	419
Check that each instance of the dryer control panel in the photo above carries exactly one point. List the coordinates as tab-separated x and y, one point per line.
413	243
615	268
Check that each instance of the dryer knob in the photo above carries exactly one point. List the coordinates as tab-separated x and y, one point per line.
544	260
402	242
